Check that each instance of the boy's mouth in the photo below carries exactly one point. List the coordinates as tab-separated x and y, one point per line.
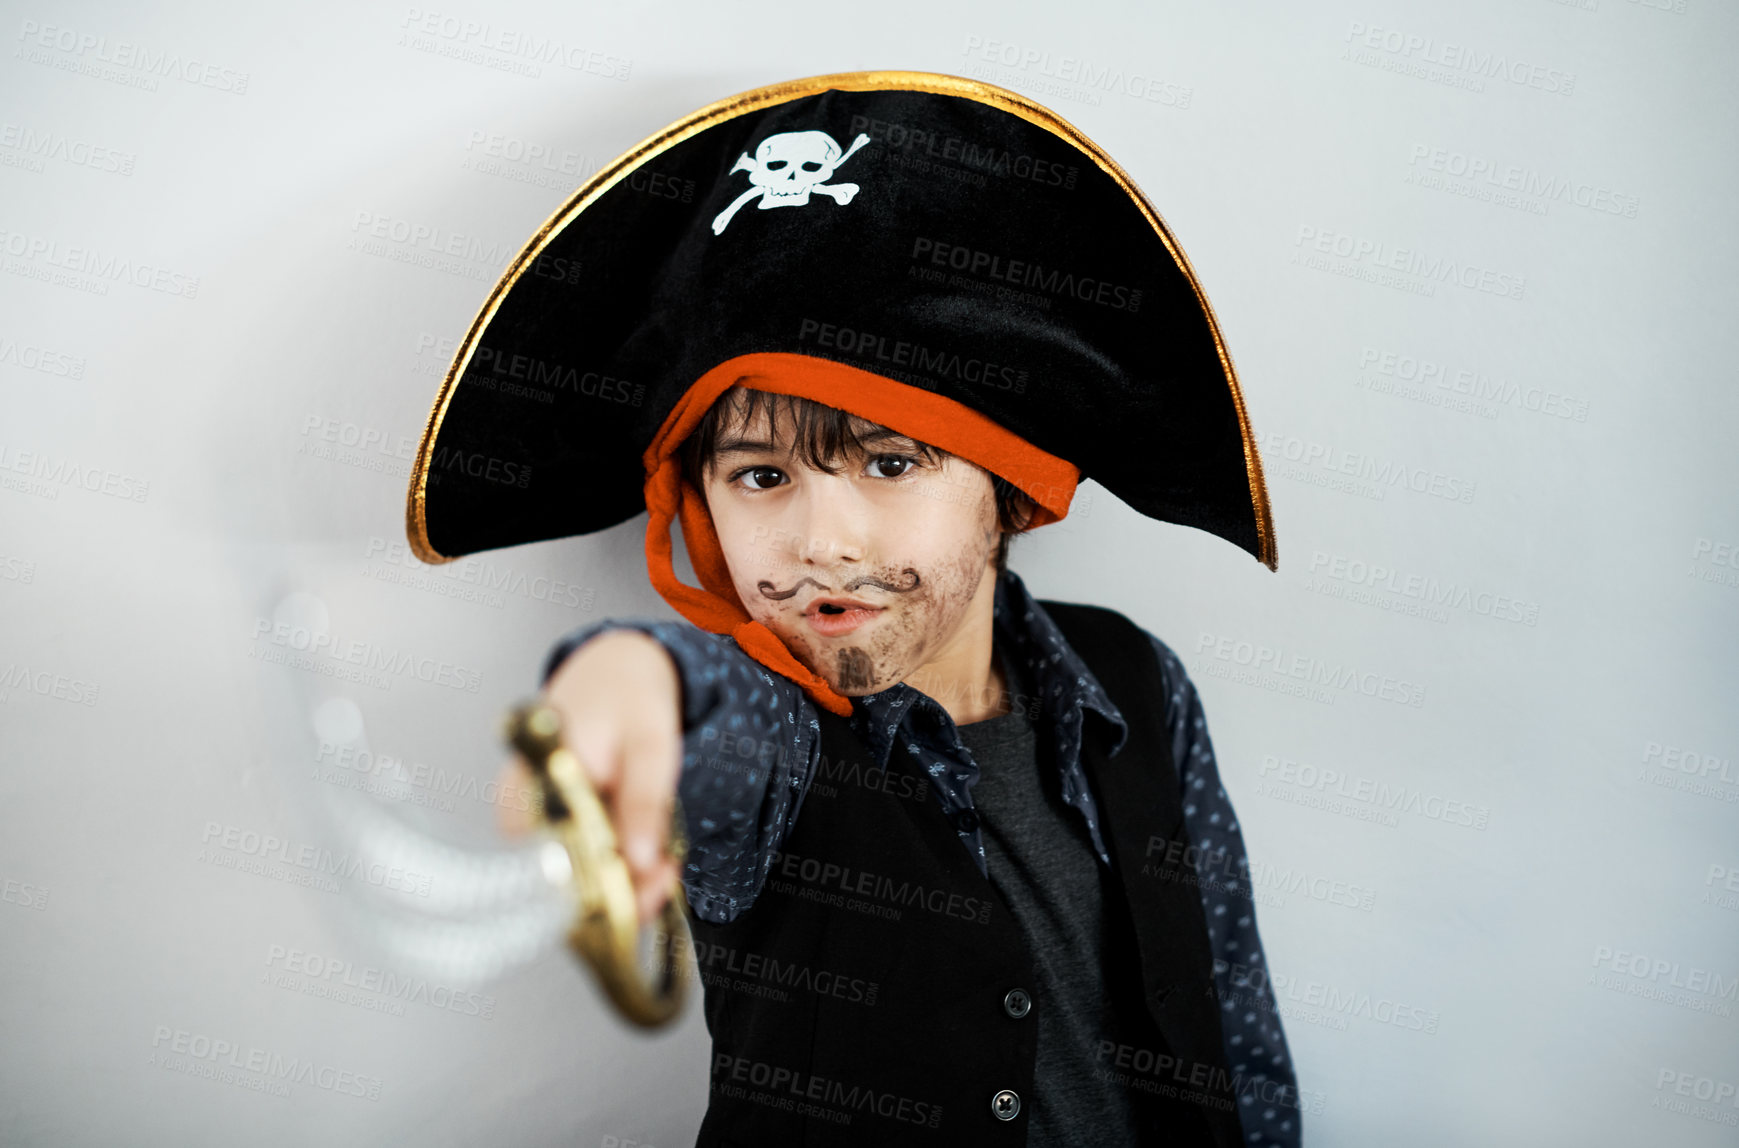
832	617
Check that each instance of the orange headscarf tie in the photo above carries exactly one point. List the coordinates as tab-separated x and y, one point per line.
928	417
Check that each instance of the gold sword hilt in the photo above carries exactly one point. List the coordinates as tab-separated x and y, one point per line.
606	929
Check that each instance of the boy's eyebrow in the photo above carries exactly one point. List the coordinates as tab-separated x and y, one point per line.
742	445
883	432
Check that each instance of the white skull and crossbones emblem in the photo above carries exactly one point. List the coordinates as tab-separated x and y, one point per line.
789	166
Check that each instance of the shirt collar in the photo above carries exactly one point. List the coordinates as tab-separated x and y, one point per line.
1062	684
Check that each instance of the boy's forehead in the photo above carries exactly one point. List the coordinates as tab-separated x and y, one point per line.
740	428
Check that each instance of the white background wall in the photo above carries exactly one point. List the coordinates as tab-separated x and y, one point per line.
212	376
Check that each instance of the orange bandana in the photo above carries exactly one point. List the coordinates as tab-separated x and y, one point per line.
928	417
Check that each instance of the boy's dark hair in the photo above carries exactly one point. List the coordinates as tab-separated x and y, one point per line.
824	434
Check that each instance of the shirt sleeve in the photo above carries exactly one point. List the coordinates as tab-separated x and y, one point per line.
750	743
1268	1106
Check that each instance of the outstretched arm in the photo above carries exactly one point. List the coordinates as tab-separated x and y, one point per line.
1255	1042
749	744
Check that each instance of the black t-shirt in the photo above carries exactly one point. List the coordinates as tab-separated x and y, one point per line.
1070	910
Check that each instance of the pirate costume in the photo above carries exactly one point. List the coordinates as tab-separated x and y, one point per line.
898	945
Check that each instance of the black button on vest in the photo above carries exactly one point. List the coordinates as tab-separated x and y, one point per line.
874	993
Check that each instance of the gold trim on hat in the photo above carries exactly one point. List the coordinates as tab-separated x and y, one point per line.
416	523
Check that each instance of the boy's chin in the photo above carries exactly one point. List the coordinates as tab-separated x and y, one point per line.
855	687
859	690
849	685
835	665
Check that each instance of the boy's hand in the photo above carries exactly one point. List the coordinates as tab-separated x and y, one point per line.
620	701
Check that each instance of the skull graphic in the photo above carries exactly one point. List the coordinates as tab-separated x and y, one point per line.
787	167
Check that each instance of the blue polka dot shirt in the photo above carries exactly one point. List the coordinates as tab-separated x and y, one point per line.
752	741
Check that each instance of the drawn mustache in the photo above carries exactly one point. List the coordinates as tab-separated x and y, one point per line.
767	590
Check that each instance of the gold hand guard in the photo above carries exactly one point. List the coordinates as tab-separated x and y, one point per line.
606	929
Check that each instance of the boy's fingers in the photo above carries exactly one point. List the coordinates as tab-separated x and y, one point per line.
651	887
642	804
652	895
620	701
599	750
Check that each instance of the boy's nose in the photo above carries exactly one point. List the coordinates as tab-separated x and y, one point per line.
834	524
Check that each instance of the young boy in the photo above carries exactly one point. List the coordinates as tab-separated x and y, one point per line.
960	868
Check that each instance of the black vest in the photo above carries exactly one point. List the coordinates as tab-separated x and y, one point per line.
868	996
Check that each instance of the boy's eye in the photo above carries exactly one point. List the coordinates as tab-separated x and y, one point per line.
903	463
755	474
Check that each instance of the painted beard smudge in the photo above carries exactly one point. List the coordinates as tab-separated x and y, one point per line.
856	670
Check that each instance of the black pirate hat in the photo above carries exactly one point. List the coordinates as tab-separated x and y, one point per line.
934	253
